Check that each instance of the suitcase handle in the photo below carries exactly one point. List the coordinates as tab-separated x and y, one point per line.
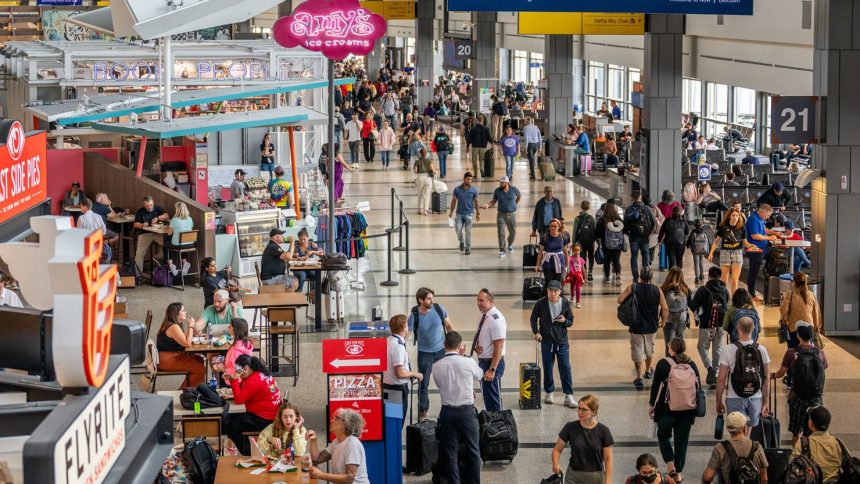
535	237
537	352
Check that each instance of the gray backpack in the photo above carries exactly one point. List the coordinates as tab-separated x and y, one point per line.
677	302
700	243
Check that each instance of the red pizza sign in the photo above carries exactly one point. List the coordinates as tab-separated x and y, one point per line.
365	355
23	170
362	393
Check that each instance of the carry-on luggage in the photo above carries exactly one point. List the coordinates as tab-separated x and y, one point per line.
585	164
421	445
533	288
489	164
439	202
530	253
664	258
499	439
767	433
773	297
547	169
334	306
530	383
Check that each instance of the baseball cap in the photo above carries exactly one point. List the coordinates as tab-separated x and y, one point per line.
801	323
736	421
504	179
275	232
554	285
279	170
778	186
240	172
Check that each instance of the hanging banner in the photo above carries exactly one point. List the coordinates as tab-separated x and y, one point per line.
486	99
578	23
709	7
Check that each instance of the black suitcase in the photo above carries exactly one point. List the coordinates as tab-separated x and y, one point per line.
530	383
421	444
489	163
439	202
533	288
767	433
530	253
499	439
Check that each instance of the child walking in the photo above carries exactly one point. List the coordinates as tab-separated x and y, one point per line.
699	245
576	274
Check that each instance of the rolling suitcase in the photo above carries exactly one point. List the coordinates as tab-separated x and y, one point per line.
334	306
664	258
439	202
533	288
489	164
547	169
530	383
767	433
530	253
421	445
585	163
773	296
498	438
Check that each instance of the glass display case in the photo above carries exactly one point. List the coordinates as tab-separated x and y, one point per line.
251	229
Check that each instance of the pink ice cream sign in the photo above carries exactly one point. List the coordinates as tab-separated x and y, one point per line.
336	28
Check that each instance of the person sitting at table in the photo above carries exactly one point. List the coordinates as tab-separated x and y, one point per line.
273	263
346	453
304	250
286	430
8	296
92	221
220	314
171	342
611	150
73	198
242	345
181	222
254	387
146	216
213	280
102	206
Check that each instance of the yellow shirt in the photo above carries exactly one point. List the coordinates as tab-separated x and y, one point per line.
299	441
826	452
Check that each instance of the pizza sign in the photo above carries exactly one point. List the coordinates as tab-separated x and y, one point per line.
23	170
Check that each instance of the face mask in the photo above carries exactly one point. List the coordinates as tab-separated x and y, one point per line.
650	478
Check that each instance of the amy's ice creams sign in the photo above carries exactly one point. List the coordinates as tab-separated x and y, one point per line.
23	170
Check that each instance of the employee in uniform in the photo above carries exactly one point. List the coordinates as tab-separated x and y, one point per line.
454	375
396	376
489	343
273	263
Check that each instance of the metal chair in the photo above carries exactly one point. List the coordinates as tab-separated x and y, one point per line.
152	370
187	245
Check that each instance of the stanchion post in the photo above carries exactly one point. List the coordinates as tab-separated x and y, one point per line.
392	209
407	269
400	247
389	282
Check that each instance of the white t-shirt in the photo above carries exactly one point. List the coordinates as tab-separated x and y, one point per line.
728	356
397	356
9	298
495	328
349	451
353	131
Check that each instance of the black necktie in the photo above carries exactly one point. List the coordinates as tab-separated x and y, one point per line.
475	341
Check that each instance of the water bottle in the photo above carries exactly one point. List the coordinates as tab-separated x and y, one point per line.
718	427
213	383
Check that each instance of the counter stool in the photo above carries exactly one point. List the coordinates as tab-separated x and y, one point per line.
187	245
263	313
283	355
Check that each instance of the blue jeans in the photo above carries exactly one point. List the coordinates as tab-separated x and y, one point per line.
550	352
270	167
509	166
751	407
639	245
443	160
386	157
492	390
462	221
800	258
338	138
425	367
532	149
392	120
302	276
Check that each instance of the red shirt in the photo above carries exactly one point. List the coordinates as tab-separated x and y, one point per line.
366	127
259	393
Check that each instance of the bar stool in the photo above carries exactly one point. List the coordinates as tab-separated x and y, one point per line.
282	324
263	313
187	245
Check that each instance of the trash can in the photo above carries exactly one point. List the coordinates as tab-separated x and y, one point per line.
814	286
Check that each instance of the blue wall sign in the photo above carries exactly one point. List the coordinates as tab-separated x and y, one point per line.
58	2
710	7
704	173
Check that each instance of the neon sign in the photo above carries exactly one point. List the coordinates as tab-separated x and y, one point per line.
336	28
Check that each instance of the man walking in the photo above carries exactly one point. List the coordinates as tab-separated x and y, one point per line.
500	112
507	196
454	375
744	368
397	374
465	202
533	139
478	139
428	322
709	306
550	319
546	209
489	343
740	445
639	221
652	308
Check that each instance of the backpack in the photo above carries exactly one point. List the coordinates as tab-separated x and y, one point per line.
640	225
161	276
748	373
690	193
201	461
775	262
585	227
850	466
677	302
416	320
613	240
681	387
802	469
743	469
700	243
129	269
628	310
736	316
807	373
207	397
674	233
717	309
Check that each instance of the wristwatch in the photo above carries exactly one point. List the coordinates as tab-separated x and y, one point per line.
493	370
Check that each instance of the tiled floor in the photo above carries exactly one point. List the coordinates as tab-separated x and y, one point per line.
599	349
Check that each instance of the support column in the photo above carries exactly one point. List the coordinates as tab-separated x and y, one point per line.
486	50
580	70
425	13
836	195
661	169
374	60
558	65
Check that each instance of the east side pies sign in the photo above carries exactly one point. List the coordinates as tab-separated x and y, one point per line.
23	169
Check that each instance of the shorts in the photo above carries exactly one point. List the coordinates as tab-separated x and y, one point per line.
287	280
751	407
797	408
641	346
731	257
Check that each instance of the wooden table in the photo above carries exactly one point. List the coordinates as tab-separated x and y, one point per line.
273	300
72	208
316	270
122	223
180	412
207	347
228	473
156	230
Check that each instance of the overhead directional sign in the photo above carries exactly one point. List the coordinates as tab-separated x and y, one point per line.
364	355
793	119
578	23
392	9
709	7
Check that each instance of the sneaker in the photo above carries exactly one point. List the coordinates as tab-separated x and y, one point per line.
578	306
502	254
639	384
548	399
606	280
617	280
590	277
570	401
649	374
462	247
172	267
510	248
468	251
711	379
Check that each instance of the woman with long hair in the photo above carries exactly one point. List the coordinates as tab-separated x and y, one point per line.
731	239
673	236
253	386
171	341
367	139
678	297
799	304
339	166
287	429
673	426
609	232
181	222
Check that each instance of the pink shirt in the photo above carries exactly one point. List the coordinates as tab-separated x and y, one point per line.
238	349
